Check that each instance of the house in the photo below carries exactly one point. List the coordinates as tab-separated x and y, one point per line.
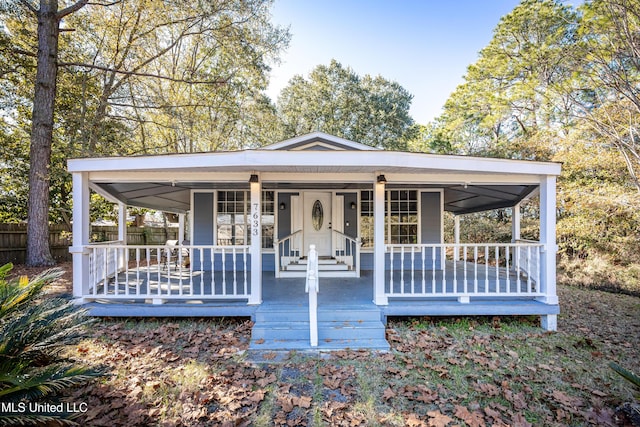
249	217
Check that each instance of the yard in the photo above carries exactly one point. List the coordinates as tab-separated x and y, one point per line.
440	372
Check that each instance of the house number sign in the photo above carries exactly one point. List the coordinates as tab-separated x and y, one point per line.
255	219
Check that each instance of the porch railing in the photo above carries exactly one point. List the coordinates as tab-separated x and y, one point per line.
464	270
347	250
118	271
288	250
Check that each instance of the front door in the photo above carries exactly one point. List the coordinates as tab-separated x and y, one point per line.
317	222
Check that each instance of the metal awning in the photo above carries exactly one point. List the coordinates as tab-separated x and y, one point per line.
175	197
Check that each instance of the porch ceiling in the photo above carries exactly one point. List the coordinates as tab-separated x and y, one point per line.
168	197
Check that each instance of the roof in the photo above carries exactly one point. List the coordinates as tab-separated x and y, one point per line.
316	160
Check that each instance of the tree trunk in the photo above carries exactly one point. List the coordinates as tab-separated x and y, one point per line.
38	253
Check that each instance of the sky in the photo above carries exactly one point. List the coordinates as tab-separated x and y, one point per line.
424	45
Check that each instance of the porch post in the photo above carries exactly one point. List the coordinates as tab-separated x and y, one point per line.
123	255
456	237
256	243
515	223
180	229
379	298
80	230
548	240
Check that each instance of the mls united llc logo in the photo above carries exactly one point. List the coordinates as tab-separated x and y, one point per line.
42	408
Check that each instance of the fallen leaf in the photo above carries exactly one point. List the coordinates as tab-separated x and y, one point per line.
388	394
438	419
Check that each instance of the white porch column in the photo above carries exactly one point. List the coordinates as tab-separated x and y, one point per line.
122	223
256	243
456	237
123	255
515	223
81	224
548	240
180	228
379	298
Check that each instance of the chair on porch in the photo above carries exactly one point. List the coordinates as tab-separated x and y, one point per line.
172	254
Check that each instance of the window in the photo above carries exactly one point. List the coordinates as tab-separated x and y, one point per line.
233	207
268	219
366	218
401	219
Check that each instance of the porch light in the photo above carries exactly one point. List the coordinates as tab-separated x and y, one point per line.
282	206
254	178
382	179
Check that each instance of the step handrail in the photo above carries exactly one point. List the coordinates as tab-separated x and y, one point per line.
282	256
312	288
353	259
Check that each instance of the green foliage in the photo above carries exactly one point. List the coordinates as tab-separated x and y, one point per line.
137	77
34	328
335	100
626	374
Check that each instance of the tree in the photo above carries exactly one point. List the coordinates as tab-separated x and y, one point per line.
607	90
132	77
335	100
49	17
509	105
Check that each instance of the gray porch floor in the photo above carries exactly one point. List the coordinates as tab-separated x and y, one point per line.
334	292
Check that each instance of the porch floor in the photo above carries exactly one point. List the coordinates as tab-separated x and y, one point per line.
333	292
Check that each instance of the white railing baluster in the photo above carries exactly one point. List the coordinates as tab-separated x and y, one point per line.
106	270
475	269
464	263
455	257
497	254
391	268
402	269
245	285
137	271
443	255
148	258
213	271
224	272
413	259
159	259
424	272
433	269
528	269
506	270
516	251
235	282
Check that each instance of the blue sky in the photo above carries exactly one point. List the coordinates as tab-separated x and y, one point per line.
425	45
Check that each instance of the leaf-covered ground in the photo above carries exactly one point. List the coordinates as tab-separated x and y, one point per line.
440	372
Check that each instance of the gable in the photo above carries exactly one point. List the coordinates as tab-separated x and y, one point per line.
318	141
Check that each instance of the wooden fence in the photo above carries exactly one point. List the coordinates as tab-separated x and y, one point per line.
13	239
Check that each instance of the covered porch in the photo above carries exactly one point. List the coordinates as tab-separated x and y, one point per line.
247	219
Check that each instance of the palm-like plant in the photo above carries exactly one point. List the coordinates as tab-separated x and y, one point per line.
34	329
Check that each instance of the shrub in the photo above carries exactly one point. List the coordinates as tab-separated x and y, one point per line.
34	329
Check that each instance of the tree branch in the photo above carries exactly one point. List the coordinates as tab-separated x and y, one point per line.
28	5
139	74
71	9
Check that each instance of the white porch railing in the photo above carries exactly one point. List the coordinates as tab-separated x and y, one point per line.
347	250
312	288
288	250
118	271
484	269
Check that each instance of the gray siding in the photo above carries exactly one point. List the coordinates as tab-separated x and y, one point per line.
350	215
284	216
202	219
431	218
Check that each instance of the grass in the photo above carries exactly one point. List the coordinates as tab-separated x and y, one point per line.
456	371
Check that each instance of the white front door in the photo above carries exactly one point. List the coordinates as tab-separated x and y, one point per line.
317	222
